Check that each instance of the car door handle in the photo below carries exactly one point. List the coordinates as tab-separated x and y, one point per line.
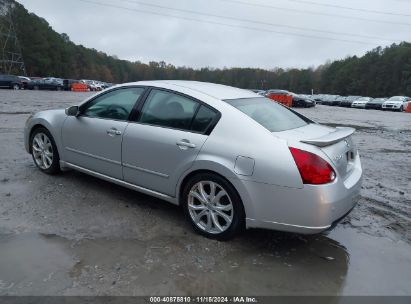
113	131
183	144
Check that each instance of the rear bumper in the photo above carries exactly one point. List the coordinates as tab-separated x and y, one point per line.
309	210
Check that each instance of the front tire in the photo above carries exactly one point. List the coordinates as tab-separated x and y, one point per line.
213	207
44	151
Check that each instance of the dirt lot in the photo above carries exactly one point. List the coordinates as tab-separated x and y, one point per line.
76	235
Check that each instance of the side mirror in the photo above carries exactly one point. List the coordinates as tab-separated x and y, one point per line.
72	111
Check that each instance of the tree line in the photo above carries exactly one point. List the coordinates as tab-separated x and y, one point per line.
380	72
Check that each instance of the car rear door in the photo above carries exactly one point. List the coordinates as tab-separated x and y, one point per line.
165	140
92	140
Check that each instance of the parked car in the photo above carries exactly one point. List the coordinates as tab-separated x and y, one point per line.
331	100
396	103
229	157
281	96
92	85
302	101
67	83
339	100
104	85
45	84
376	103
10	82
348	101
361	102
53	79
318	98
24	81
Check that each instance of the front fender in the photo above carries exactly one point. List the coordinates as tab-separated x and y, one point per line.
52	120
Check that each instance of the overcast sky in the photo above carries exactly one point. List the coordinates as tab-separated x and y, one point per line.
229	33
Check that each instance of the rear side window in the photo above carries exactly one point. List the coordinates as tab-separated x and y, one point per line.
205	116
269	114
167	109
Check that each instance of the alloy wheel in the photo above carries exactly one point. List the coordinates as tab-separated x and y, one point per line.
42	151
210	207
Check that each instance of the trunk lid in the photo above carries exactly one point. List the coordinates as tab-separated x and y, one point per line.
336	143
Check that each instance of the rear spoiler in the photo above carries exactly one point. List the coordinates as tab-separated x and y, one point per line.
331	138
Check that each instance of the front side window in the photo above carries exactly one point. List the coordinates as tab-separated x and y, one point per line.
269	114
116	104
167	109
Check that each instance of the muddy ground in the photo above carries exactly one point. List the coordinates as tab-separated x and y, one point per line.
73	234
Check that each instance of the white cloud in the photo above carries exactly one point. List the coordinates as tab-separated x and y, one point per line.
146	37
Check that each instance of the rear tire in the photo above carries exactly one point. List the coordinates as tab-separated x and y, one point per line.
44	151
16	87
213	207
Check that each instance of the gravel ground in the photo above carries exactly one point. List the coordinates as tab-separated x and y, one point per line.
73	234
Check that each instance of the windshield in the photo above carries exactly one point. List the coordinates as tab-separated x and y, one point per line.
364	99
271	115
396	98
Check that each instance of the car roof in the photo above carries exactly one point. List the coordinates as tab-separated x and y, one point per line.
217	91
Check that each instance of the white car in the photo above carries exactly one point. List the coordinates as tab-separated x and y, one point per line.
396	103
361	102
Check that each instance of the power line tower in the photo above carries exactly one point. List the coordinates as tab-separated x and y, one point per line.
11	58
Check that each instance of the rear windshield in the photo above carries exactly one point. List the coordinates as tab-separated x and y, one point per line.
271	115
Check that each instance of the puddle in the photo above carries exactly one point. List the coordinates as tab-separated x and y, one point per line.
378	266
395	151
34	264
258	263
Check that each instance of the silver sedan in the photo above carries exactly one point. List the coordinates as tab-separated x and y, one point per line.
231	158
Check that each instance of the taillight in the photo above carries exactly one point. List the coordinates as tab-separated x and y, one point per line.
313	169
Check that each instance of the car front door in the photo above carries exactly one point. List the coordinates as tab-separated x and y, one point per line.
92	140
165	139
